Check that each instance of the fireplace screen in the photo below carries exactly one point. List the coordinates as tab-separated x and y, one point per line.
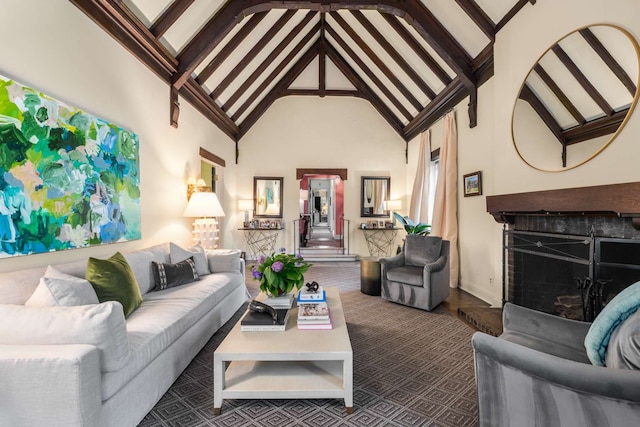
568	276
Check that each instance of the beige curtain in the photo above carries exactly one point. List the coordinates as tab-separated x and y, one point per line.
419	206
445	210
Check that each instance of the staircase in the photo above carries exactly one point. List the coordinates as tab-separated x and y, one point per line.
322	246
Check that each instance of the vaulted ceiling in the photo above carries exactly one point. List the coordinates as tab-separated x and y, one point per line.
412	60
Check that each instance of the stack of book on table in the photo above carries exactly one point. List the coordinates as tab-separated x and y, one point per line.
313	311
263	322
284	301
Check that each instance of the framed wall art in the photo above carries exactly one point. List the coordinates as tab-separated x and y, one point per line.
473	184
69	179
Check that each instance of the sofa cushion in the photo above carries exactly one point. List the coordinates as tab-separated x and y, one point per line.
113	280
170	275
178	253
163	317
421	250
140	263
100	325
224	260
613	314
57	288
410	275
623	351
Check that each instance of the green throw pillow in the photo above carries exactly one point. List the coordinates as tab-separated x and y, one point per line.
113	280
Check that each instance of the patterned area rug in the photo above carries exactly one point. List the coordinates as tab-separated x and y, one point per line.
411	368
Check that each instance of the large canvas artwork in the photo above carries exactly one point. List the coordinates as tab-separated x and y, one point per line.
67	179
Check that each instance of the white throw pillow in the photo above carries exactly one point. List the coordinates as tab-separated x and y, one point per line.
101	325
224	260
179	254
58	288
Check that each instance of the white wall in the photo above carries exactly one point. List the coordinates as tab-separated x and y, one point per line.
332	133
54	48
517	48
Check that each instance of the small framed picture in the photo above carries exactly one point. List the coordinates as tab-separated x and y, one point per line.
265	223
388	224
473	184
381	224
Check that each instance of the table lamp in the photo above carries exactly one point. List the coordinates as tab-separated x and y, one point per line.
246	206
393	206
206	207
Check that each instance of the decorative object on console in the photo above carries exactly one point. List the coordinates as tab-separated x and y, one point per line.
473	184
246	206
206	207
279	273
76	175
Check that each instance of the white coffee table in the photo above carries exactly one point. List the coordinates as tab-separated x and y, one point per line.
294	364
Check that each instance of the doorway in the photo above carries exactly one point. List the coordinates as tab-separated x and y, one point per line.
321	211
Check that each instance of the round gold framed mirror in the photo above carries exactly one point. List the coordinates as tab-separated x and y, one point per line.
576	98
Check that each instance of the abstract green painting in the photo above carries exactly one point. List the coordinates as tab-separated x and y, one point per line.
67	179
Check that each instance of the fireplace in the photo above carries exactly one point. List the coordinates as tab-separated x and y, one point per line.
564	259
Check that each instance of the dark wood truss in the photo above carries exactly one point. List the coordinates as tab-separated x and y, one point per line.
405	110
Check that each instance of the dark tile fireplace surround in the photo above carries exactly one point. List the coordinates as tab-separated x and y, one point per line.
568	252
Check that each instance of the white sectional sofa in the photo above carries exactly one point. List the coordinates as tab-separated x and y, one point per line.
88	366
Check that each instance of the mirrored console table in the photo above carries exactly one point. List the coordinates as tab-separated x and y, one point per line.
380	241
261	241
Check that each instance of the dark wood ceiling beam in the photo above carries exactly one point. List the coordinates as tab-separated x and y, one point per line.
370	74
602	126
322	93
276	91
198	97
526	94
478	16
230	47
512	12
376	60
131	34
608	59
322	59
564	100
393	53
274	74
169	17
270	58
447	99
413	12
439	72
364	89
582	79
257	48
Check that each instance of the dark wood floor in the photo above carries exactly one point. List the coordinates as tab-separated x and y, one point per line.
475	312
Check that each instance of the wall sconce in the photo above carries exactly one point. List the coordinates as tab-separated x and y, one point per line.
246	206
206	207
196	186
393	206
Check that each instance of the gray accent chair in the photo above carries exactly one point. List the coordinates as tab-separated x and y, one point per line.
537	373
419	275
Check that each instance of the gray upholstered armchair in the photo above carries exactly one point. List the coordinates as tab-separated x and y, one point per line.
419	275
537	373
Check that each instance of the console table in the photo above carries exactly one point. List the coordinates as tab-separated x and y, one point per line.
261	241
380	241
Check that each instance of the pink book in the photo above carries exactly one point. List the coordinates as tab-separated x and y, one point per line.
315	326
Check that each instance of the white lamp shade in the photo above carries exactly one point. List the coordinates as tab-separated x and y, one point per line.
393	205
245	204
202	205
